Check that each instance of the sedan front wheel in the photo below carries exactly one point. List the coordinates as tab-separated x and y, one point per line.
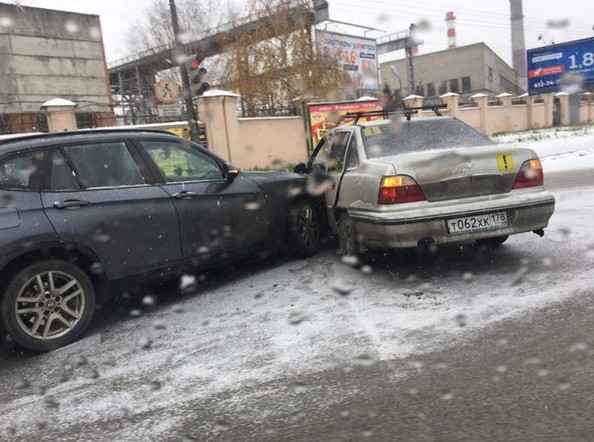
47	305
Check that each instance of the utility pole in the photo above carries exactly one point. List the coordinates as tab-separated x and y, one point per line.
189	104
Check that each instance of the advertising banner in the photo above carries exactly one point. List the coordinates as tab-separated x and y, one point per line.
357	55
325	116
550	67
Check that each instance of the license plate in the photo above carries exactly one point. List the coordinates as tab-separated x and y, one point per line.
477	223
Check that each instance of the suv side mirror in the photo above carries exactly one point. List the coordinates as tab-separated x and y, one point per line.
230	171
300	168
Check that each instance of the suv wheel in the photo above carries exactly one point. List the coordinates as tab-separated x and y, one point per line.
47	305
305	229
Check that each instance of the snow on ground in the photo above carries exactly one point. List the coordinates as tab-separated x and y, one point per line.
305	316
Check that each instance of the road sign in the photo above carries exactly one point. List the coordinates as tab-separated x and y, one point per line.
169	110
549	66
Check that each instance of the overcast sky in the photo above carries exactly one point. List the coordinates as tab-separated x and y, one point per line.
476	21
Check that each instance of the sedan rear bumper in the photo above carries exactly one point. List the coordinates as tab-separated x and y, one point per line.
404	227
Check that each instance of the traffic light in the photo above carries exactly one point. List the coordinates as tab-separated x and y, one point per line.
196	75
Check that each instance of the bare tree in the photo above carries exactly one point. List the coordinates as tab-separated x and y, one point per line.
277	61
154	28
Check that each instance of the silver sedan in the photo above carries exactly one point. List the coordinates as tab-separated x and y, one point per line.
400	184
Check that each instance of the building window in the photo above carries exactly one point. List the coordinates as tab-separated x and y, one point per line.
443	87
430	90
85	120
4	125
491	74
454	85
466	84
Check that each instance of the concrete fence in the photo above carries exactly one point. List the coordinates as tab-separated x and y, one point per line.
278	142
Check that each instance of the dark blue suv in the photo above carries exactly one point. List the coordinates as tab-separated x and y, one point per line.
80	211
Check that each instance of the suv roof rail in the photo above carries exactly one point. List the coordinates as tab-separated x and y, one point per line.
407	111
73	133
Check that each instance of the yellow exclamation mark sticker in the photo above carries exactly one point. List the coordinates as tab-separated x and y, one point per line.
505	161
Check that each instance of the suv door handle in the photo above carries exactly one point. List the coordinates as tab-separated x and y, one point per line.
70	203
185	195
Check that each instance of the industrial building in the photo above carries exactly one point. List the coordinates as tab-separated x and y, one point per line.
465	70
49	54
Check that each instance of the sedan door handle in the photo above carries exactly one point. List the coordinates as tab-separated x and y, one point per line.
185	195
70	203
333	186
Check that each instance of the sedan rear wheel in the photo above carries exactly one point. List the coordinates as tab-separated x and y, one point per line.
48	305
348	238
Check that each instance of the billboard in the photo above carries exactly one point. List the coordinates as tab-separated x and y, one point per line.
358	57
551	66
325	116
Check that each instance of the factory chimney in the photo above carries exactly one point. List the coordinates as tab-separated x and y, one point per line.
451	25
518	44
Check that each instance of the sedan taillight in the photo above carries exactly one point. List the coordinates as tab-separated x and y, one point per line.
399	189
530	175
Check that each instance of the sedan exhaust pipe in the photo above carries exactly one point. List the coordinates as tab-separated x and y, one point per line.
539	232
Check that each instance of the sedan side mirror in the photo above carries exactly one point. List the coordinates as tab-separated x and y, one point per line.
300	168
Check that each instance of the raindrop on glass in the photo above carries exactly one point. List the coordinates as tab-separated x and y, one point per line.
71	27
296	318
300	387
145	343
342	287
364	360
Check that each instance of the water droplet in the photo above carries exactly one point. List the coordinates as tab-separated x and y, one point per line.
342	287
501	369
296	317
95	33
109	362
6	22
155	385
366	269
178	308
350	260
563	385
532	361
318	183
467	276
518	276
135	313
300	387
441	365
543	373
79	361
502	342
496	378
252	205
413	391
416	364
364	360
448	396
461	320
96	268
345	413
145	343
71	27
148	300
221	425
547	262
22	384
578	346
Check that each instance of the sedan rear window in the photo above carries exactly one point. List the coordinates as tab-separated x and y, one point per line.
420	135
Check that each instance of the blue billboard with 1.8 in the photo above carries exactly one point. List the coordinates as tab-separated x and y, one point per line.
549	66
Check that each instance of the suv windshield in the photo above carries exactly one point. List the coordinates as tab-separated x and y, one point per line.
420	135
